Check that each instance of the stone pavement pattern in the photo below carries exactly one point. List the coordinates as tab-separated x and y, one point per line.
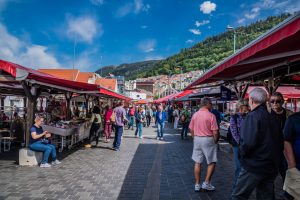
143	169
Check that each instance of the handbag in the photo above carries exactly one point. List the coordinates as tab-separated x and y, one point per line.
113	117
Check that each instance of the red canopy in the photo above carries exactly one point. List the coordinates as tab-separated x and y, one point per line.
287	92
21	73
183	94
165	99
278	46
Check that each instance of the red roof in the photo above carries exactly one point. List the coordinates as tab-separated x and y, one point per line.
84	77
278	46
67	74
107	83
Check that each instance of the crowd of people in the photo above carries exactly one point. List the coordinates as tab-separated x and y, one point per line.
265	139
266	142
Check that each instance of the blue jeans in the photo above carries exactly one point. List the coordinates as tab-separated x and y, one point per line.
237	163
139	129
160	128
131	121
185	128
45	148
118	136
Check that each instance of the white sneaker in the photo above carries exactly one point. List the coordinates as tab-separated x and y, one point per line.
46	165
197	187
161	138
157	138
56	162
208	186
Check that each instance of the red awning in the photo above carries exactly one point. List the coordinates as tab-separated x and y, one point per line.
287	92
278	46
165	99
183	94
23	73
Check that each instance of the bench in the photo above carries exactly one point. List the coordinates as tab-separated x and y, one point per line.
28	157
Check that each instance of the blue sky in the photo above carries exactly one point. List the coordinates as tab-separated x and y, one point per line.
42	34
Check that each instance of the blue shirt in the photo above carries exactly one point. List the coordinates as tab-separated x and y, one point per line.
38	132
292	135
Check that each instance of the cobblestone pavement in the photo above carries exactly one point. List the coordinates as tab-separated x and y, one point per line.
143	169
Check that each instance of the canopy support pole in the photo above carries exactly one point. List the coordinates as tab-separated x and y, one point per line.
68	96
241	89
32	93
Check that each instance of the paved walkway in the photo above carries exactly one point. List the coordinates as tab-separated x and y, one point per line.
143	169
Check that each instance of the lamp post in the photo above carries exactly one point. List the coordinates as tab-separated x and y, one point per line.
230	28
74	57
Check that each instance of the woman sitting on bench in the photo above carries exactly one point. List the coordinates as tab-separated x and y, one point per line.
39	141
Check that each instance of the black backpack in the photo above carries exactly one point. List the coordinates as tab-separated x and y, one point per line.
230	139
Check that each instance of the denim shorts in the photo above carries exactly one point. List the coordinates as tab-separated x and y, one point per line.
204	147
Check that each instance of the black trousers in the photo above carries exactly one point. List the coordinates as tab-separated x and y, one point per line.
248	181
148	120
94	131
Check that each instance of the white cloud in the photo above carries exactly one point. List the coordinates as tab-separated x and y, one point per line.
253	14
31	55
241	21
97	2
36	56
144	27
140	6
195	31
207	7
147	45
204	22
83	28
135	7
154	57
189	41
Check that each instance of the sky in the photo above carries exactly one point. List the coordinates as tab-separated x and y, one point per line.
90	34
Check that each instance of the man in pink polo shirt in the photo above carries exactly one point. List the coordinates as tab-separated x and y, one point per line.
205	131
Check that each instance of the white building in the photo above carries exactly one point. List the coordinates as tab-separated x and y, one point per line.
135	95
130	85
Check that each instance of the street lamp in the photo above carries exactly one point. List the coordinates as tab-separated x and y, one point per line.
230	28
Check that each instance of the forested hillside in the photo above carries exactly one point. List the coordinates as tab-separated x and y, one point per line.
203	55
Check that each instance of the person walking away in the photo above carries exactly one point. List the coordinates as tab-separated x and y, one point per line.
39	141
108	123
217	114
120	114
259	150
234	134
292	154
139	123
205	131
161	118
149	114
131	117
281	114
96	123
154	110
176	117
185	120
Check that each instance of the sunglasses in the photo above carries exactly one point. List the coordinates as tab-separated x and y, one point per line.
275	101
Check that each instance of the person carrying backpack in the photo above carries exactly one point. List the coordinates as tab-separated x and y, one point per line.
149	114
185	119
131	117
233	135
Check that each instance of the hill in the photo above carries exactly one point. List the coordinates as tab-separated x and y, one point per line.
130	71
201	56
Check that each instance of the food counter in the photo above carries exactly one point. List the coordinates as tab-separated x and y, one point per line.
68	132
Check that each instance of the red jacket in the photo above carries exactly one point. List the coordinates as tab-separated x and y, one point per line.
107	115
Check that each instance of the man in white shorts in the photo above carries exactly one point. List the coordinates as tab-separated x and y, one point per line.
205	131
